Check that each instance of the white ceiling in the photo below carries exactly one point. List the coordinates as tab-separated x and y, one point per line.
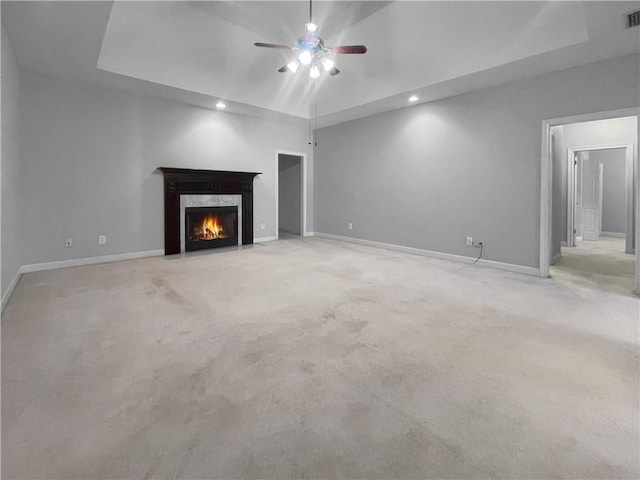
199	52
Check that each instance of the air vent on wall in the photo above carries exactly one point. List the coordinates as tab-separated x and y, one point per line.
633	19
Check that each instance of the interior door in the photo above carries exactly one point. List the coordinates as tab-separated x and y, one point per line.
591	199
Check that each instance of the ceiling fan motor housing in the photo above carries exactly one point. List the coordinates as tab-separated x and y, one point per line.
311	43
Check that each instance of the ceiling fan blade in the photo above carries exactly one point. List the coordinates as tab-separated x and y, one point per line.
271	45
333	71
349	49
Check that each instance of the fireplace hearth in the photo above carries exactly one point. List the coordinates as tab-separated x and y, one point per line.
210	227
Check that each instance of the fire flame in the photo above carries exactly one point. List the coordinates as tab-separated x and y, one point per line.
210	229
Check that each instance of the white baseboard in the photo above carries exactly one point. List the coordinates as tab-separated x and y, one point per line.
555	258
305	234
612	234
563	244
78	262
9	291
578	239
264	239
509	267
290	232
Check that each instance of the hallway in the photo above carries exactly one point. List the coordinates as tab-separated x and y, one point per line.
601	264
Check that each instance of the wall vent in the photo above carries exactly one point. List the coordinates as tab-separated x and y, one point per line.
633	19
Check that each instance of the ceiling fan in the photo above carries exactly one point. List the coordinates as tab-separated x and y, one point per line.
310	50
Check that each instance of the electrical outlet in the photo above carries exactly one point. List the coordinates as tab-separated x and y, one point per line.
261	225
68	242
469	241
350	226
102	239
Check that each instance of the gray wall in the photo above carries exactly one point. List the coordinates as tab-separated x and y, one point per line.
289	193
613	189
90	156
11	254
615	131
429	175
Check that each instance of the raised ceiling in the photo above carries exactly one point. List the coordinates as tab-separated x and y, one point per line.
200	52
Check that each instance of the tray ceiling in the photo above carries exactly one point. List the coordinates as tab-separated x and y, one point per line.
205	49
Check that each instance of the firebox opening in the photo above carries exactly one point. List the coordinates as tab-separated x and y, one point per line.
210	227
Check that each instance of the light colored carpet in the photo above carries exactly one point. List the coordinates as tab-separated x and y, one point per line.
311	358
598	264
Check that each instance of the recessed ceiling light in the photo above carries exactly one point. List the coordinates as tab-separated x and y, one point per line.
221	105
413	98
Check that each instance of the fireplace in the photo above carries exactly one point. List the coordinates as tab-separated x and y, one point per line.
187	188
210	227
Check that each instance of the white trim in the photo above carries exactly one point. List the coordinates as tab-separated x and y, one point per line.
265	239
12	286
430	253
545	181
613	234
303	190
578	239
636	191
601	196
629	246
556	257
563	244
590	117
79	262
572	188
545	200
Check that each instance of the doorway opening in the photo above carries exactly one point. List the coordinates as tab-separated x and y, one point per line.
589	202
290	194
600	195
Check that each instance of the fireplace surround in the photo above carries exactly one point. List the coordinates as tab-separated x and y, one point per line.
184	181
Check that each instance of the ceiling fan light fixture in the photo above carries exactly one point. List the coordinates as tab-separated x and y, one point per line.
312	52
328	64
293	65
305	57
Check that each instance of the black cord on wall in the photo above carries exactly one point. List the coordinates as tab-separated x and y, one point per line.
481	251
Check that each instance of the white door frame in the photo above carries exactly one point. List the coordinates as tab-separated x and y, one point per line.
303	191
546	172
571	169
